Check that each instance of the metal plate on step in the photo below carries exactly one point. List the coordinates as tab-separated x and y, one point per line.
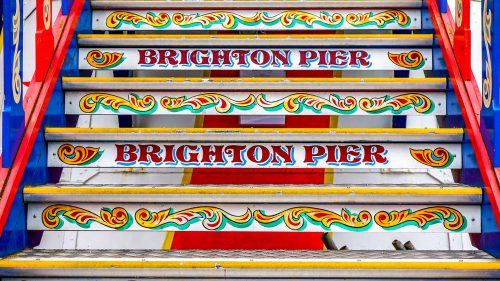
255	217
254	103
257	19
278	58
255	155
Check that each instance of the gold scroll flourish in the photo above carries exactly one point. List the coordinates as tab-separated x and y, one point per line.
16	64
212	218
116	19
104	60
198	103
451	218
420	103
437	158
413	60
381	19
295	218
487	82
296	102
79	155
117	218
90	103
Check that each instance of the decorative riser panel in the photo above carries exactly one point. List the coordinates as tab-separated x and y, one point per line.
263	19
255	155
255	103
254	59
276	217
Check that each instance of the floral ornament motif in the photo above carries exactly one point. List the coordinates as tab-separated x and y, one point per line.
116	19
117	218
295	103
201	102
413	60
104	60
381	19
437	158
79	155
212	218
230	20
451	218
488	77
421	103
297	218
91	102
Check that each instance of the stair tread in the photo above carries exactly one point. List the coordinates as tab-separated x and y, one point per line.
248	40
279	263
330	84
119	4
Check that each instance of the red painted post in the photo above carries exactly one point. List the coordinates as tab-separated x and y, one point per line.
44	38
462	38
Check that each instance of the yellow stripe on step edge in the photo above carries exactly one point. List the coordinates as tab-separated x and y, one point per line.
253	79
305	264
251	36
255	190
412	131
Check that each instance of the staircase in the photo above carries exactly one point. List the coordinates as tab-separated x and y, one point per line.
387	55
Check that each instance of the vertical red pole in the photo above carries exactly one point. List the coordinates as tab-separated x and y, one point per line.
44	38
462	37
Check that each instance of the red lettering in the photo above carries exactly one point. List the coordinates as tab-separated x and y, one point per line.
199	57
285	155
254	151
307	56
374	153
349	153
169	154
149	152
322	58
181	153
208	153
225	57
148	57
184	57
235	150
126	153
281	57
260	57
338	58
312	152
359	58
331	157
167	55
240	55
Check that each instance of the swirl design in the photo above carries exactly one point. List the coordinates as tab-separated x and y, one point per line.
79	155
295	219
413	60
487	82
201	102
91	102
296	102
437	158
451	218
212	218
116	19
104	60
231	20
398	104
16	63
381	20
118	218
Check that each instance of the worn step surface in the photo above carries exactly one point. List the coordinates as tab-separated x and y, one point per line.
252	52
252	96
327	265
311	208
254	148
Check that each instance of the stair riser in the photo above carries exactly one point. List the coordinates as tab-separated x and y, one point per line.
255	217
255	155
254	59
255	103
257	19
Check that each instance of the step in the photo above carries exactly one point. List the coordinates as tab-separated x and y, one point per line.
219	265
253	52
307	208
255	148
253	96
280	17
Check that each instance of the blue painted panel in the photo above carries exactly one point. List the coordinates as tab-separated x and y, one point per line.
490	114
13	113
66	6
